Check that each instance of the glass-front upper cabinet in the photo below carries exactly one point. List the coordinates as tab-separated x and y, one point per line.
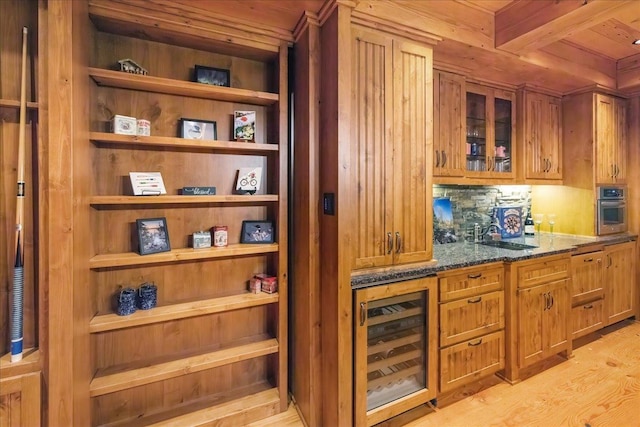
490	124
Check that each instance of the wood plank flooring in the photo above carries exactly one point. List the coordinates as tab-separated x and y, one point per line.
599	386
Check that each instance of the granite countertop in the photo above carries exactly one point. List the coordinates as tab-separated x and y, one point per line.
465	254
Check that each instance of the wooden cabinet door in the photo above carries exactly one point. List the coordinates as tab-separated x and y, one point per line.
619	147
531	306
449	122
412	151
555	325
605	139
371	130
20	400
620	276
542	141
587	277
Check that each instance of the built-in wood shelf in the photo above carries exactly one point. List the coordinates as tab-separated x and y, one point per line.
128	259
101	201
11	103
162	85
109	322
241	410
135	141
104	384
30	363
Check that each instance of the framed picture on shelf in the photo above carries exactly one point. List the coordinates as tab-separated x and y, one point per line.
153	235
198	129
212	76
249	180
257	232
244	126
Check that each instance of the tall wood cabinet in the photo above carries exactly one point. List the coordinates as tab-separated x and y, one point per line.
611	141
391	128
210	351
540	135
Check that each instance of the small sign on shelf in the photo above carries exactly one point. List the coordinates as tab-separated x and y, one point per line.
147	183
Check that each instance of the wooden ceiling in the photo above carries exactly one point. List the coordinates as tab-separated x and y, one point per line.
560	45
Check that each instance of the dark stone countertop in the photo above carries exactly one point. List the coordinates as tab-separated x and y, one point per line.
465	254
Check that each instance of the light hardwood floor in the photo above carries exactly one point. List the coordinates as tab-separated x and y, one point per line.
598	386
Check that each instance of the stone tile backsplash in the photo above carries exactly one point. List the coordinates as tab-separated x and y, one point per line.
474	204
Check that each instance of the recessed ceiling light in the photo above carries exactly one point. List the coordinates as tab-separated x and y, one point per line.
636	42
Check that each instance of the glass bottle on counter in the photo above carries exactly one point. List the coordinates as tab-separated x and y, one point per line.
529	228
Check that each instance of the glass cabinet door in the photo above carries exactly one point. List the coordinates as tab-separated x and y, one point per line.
476	132
393	347
502	144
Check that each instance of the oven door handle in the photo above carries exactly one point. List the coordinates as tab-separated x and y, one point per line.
612	204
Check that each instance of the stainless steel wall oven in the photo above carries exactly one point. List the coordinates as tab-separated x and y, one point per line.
611	210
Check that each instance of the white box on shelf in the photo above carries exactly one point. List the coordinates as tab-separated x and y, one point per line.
147	183
124	125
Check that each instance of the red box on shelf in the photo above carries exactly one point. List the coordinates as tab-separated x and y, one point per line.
269	283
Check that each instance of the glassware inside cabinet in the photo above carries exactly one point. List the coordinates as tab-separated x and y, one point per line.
396	344
476	132
502	135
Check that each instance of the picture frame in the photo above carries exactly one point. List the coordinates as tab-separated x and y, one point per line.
212	76
244	126
198	129
249	180
153	235
257	232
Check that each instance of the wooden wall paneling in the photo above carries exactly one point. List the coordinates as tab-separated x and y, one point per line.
20	400
336	177
14	16
305	358
633	179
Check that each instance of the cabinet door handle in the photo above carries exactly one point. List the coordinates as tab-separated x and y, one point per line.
544	168
475	343
552	300
437	158
389	243
475	300
489	167
398	242
613	171
609	262
444	158
588	307
474	276
363	313
588	260
546	301
617	171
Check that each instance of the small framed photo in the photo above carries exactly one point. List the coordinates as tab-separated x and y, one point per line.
153	235
257	232
212	76
198	129
249	180
244	126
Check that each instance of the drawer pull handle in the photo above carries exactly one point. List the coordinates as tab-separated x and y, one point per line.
474	276
588	260
588	306
474	301
476	343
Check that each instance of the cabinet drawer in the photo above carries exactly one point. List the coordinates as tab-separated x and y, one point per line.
586	278
471	282
471	360
587	318
543	272
469	318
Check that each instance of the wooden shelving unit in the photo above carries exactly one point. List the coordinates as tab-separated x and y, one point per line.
12	103
230	365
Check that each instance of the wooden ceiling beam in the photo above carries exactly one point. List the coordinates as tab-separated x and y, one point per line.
529	25
629	73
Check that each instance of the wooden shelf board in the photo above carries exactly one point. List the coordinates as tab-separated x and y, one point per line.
240	411
101	385
162	85
30	363
180	200
176	255
109	322
11	103
136	141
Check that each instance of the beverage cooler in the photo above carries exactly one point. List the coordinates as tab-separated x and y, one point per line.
395	348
